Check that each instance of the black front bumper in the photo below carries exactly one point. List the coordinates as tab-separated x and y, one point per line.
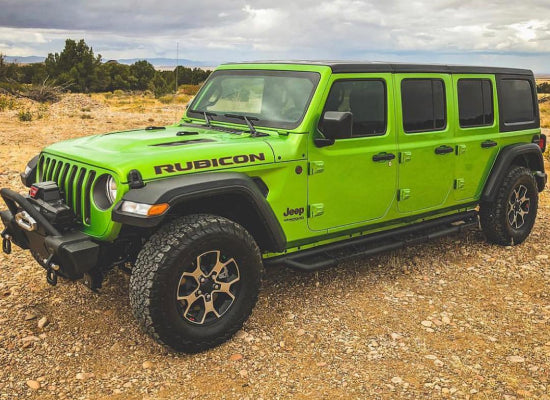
70	253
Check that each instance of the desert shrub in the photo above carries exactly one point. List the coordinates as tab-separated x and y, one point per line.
86	116
24	115
190	90
85	109
7	103
42	111
167	99
118	93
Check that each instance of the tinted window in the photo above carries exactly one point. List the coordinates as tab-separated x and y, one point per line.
366	99
423	102
517	104
475	102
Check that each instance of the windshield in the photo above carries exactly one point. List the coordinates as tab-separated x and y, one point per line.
278	99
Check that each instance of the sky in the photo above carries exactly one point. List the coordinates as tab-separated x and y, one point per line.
478	32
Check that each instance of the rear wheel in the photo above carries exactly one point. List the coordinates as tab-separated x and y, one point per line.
195	282
510	218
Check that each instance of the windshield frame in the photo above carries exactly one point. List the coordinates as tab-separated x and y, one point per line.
314	77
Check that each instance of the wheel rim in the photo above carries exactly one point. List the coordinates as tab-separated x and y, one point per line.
208	288
518	206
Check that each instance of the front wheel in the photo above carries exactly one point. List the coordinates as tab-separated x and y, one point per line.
510	218
195	282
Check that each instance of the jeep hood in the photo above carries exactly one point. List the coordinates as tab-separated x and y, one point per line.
164	152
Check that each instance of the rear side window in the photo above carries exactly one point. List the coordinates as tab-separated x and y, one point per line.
365	99
517	102
423	103
475	102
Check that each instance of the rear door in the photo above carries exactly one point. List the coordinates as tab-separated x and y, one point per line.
426	142
477	133
354	180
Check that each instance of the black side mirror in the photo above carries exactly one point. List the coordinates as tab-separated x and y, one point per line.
337	125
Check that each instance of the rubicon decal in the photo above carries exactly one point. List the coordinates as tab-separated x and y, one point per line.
210	163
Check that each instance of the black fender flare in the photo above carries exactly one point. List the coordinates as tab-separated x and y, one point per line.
531	155
179	189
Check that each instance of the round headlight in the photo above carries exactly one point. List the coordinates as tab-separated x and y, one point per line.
110	189
104	192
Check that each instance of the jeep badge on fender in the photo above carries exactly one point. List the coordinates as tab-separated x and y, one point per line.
196	219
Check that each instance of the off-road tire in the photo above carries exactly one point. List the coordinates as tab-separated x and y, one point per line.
154	283
494	215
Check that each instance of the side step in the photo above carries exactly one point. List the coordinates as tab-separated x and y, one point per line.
331	254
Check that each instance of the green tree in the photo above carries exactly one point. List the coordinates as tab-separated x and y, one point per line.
76	63
143	72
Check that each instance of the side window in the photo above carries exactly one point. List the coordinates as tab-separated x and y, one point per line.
475	102
366	99
423	103
516	102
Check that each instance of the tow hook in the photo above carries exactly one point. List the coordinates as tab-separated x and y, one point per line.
51	271
6	243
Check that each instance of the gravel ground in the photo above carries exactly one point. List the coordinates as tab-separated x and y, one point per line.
455	318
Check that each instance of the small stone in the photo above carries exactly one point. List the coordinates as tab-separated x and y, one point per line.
438	363
42	322
127	385
396	380
300	332
240	334
446	320
30	338
82	376
396	336
321	364
282	344
492	338
515	359
34	385
147	364
30	316
427	324
431	357
243	373
236	357
541	257
473	391
430	330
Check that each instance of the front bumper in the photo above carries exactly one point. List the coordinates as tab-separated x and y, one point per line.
70	253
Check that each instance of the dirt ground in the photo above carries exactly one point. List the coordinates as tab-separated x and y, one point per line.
455	318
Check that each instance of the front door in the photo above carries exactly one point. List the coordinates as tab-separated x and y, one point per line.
354	181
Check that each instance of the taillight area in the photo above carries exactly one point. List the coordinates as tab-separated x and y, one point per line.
540	140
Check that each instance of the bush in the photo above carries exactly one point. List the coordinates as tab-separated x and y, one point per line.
86	116
24	116
7	103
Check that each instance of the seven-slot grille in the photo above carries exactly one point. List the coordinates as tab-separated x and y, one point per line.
74	181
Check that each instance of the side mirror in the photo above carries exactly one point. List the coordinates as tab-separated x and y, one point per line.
337	125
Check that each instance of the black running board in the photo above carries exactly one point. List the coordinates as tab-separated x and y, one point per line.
331	254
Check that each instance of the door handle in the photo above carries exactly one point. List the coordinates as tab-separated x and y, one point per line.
488	143
383	157
444	150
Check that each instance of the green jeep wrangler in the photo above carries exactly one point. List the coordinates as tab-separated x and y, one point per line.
302	164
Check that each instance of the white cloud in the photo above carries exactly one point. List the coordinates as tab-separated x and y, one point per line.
465	31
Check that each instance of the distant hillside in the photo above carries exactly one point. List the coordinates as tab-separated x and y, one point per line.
24	60
157	62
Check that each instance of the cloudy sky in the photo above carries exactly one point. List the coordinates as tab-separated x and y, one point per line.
487	32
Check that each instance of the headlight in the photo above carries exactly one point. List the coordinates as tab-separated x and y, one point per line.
111	189
105	191
146	210
29	176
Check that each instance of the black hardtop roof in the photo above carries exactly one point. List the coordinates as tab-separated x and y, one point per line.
377	66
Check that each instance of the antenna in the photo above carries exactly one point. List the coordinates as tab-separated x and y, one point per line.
177	63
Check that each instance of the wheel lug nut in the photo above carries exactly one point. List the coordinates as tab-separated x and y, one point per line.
201	279
199	292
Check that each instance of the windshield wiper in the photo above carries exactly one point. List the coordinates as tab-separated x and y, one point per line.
248	120
207	116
